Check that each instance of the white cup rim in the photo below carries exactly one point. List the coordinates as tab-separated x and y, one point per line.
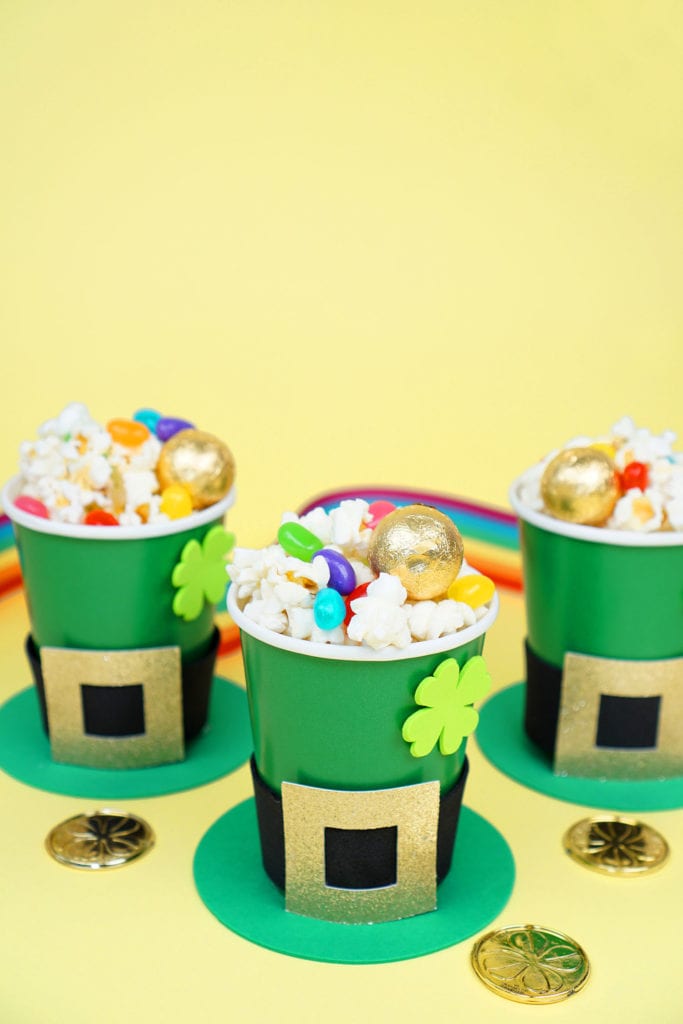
342	652
144	531
592	534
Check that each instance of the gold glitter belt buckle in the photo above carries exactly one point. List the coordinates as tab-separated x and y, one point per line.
75	679
316	819
620	719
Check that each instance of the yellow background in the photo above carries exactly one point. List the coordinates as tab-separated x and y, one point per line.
416	244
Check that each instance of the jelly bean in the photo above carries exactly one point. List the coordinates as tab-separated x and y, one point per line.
167	426
342	577
604	446
150	418
129	433
473	590
377	511
32	506
298	541
635	474
360	591
329	609
98	517
175	501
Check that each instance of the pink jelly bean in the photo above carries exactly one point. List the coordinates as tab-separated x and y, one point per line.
32	506
377	511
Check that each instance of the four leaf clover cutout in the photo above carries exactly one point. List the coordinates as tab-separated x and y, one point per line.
446	714
200	574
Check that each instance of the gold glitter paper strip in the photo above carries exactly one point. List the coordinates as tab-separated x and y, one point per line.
157	669
585	679
413	810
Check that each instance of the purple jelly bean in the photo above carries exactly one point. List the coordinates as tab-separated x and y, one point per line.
342	577
167	426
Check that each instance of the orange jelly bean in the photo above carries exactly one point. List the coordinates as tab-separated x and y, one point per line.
130	433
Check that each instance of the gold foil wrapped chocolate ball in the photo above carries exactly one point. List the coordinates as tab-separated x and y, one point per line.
200	462
421	546
580	485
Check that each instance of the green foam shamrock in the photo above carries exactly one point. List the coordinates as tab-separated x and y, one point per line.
200	573
447	714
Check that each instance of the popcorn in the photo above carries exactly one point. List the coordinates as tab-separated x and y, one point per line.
76	467
638	510
380	618
279	591
659	506
343	527
431	619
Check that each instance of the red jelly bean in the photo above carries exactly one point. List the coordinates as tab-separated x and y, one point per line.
32	506
377	511
635	475
98	517
360	591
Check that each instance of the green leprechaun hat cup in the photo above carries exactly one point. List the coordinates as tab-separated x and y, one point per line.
604	688
123	641
358	753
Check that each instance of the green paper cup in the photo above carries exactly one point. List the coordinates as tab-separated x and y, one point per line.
109	588
609	594
331	716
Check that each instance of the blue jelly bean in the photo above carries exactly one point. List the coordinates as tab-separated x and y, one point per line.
167	426
342	577
150	417
297	541
329	609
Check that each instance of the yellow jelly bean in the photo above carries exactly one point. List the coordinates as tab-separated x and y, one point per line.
603	446
472	590
127	432
176	501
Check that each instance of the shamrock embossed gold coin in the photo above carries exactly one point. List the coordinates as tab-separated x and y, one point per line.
530	964
614	845
105	839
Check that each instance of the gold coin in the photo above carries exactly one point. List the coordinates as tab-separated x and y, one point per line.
421	546
105	839
530	964
580	485
202	463
614	845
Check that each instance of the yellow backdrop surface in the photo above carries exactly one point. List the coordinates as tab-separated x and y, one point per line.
365	242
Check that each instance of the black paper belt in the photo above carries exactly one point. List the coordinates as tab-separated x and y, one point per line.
542	709
197	675
271	829
624	721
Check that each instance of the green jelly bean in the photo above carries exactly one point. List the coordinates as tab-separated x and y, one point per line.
298	541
